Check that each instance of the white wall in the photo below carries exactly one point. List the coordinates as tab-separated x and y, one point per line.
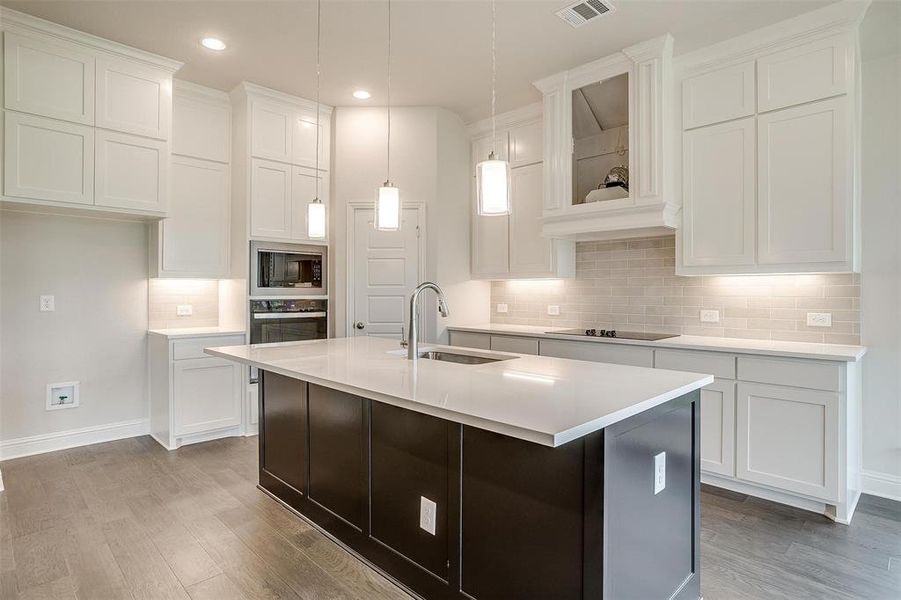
97	270
429	163
881	252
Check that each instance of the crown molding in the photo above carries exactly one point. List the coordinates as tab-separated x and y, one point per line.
653	48
18	22
507	119
247	89
841	17
180	87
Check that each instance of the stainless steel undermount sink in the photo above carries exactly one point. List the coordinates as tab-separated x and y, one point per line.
463	359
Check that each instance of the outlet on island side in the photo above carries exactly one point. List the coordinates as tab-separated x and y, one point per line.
659	473
428	512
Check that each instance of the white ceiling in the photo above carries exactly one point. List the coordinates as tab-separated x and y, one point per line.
441	47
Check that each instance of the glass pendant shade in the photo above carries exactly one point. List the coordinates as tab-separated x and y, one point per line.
387	208
493	185
316	220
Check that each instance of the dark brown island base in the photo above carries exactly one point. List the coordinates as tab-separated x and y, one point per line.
512	518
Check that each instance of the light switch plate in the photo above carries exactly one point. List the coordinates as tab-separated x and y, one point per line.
659	473
184	310
819	319
710	316
501	308
428	512
48	303
553	310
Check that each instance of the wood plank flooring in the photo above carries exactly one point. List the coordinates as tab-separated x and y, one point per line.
130	520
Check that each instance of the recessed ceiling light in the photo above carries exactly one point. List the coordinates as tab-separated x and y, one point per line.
362	95
212	43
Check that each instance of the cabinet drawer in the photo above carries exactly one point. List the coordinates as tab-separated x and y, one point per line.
468	339
718	365
718	96
797	373
812	71
617	354
193	348
521	345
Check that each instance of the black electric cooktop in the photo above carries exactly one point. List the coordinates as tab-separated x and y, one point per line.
612	333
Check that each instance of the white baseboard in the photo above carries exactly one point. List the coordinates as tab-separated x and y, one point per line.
757	491
881	484
60	440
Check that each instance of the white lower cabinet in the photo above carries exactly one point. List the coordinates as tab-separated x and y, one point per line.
194	397
718	427
788	439
617	354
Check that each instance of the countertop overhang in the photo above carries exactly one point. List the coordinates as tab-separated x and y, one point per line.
549	401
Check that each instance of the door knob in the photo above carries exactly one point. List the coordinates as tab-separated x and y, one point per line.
359	324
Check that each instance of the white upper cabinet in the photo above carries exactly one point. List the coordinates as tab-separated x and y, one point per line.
773	188
529	252
270	201
271	127
718	96
303	190
133	98
525	144
303	142
610	117
801	74
718	204
201	123
286	132
131	172
48	160
48	78
804	185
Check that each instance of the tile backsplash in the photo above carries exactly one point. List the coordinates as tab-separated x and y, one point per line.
166	294
632	285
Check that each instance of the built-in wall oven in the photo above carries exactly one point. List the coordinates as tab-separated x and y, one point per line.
287	321
279	269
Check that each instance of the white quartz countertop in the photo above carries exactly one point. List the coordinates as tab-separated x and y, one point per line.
837	352
195	332
542	399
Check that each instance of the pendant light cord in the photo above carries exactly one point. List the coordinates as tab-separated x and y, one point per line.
493	79
318	74
388	157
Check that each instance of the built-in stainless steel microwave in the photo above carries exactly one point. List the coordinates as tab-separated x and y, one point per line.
294	270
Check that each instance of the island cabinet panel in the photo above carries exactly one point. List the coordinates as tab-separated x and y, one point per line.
283	449
522	518
337	462
409	462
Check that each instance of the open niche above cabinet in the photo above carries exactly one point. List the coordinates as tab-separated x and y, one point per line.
607	149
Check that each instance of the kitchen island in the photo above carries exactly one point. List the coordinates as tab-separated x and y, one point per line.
517	477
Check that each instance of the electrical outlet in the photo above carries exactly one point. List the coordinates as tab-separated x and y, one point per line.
553	310
428	512
184	310
710	316
659	473
48	304
819	319
501	308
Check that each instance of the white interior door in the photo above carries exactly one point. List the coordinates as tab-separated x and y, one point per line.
385	272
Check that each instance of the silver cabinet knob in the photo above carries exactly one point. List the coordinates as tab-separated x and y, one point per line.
359	324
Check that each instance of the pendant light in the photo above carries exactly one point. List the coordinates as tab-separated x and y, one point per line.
316	209
493	174
387	199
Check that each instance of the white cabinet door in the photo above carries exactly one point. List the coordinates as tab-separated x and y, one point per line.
788	439
719	194
809	72
131	172
490	235
303	143
718	427
303	190
201	128
614	353
53	79
270	199
133	98
530	253
207	395
194	237
271	130
526	143
718	96
48	160
804	185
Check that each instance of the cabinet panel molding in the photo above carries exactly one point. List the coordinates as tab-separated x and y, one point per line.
270	199
201	123
208	395
131	172
812	71
718	427
133	98
718	96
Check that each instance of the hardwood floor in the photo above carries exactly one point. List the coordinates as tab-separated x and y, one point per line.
130	520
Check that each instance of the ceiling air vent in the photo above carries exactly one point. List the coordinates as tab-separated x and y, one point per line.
582	12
